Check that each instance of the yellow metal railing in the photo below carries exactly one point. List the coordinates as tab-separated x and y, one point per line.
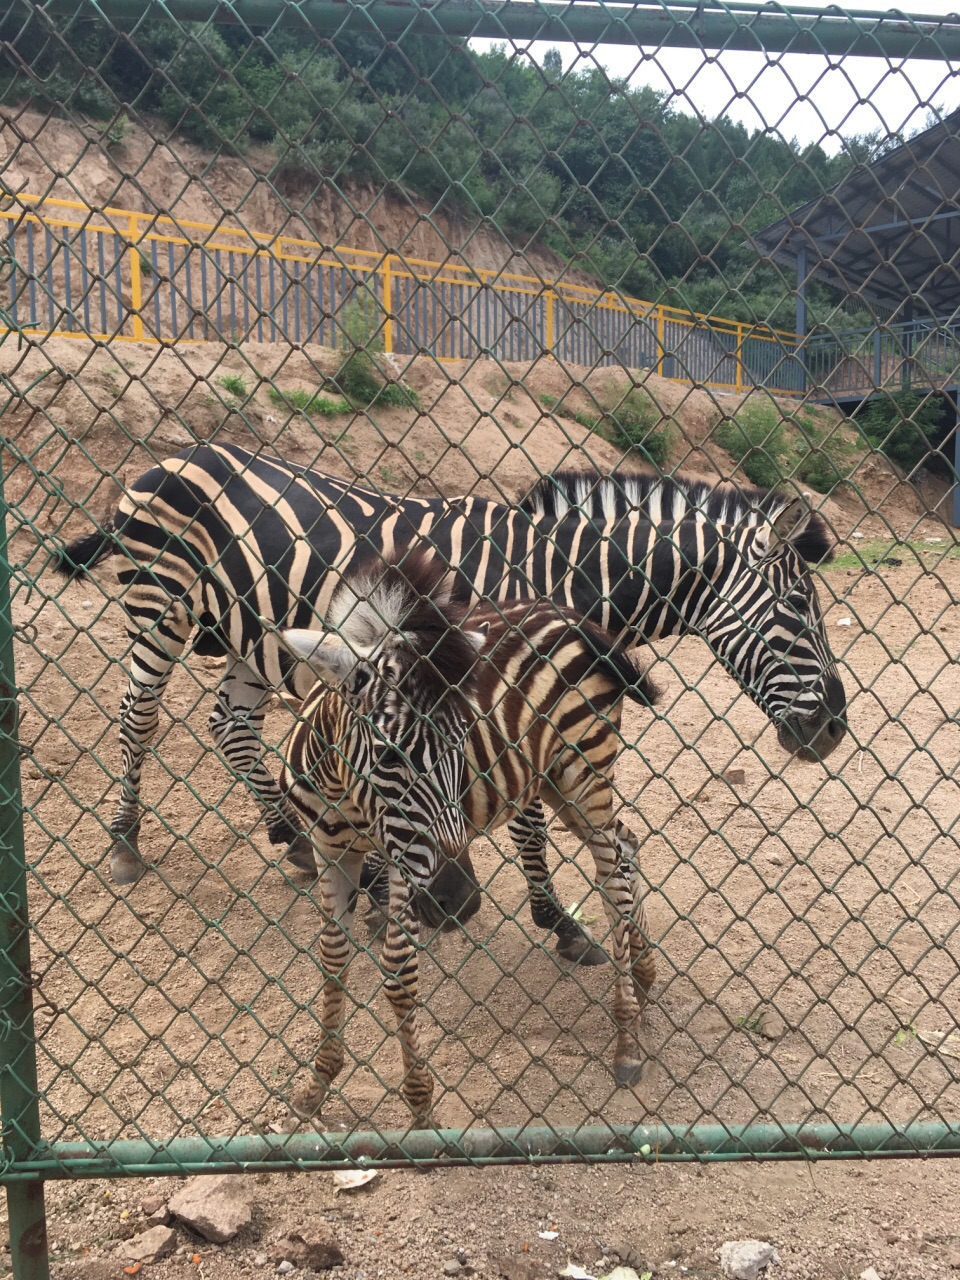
118	274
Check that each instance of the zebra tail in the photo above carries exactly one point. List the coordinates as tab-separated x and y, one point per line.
74	560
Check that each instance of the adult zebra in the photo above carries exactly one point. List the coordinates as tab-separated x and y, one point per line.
216	540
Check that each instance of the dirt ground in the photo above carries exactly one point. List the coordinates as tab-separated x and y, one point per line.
827	1222
806	918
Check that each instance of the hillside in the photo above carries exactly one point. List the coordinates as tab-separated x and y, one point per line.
184	180
91	416
363	137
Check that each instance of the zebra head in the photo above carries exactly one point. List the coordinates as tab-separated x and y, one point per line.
401	663
768	629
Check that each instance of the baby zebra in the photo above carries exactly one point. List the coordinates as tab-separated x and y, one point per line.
436	723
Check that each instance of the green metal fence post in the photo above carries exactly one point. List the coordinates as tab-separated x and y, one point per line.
18	1058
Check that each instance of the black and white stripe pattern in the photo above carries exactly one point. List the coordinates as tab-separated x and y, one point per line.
546	690
216	540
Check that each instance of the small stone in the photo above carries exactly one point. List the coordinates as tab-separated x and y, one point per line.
161	1218
285	1267
519	1267
452	1267
152	1204
316	1251
870	1274
216	1208
745	1259
158	1242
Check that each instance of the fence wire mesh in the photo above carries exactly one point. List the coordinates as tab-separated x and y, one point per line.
428	266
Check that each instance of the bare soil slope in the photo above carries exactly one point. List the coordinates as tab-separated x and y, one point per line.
51	156
90	415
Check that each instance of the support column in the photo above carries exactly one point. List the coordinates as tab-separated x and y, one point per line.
801	318
956	460
18	1051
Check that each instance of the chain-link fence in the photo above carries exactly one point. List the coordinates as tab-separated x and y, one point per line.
367	242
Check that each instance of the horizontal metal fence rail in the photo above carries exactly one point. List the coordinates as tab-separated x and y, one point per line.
917	353
118	274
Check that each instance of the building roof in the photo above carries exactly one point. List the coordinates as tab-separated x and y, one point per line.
889	232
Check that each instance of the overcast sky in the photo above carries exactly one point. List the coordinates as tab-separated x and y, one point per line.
800	95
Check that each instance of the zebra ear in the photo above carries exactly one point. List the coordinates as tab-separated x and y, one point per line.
787	526
323	653
478	635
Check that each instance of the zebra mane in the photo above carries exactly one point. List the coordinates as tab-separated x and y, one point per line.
667	499
411	596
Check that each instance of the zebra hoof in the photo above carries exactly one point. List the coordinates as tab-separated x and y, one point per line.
126	866
306	1103
628	1073
579	948
300	855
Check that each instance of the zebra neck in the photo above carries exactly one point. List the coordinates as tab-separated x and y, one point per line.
641	580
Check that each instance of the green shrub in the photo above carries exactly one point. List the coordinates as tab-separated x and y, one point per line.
755	438
902	425
820	471
359	378
636	423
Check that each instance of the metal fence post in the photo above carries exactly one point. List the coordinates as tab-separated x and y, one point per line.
387	298
136	279
18	1059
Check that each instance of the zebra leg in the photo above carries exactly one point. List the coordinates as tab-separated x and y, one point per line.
643	964
153	654
614	883
236	723
375	883
618	900
400	964
337	893
529	834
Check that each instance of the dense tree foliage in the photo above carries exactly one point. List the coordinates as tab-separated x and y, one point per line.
653	201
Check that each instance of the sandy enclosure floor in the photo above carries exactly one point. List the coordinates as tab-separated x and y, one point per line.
821	906
829	899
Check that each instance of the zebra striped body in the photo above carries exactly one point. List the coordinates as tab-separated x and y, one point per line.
546	692
223	543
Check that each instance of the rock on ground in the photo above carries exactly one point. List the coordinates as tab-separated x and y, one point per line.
217	1208
317	1250
745	1259
151	1245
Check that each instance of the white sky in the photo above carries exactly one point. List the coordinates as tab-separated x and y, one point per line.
800	95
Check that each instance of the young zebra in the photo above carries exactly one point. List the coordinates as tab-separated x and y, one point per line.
412	744
224	544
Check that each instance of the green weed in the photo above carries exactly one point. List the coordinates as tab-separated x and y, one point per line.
116	132
314	403
235	385
588	420
879	553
